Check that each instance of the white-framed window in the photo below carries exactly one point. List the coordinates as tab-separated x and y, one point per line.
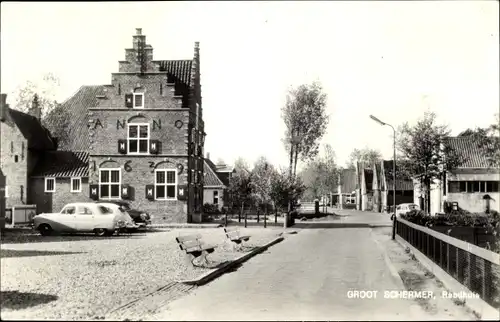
138	100
50	184
76	185
216	197
109	183
165	184
138	138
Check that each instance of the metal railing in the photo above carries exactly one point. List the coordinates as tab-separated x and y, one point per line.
476	268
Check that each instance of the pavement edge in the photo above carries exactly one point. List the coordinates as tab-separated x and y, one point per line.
392	269
486	311
204	279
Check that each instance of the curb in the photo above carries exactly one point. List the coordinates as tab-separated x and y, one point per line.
221	270
392	269
478	305
184	226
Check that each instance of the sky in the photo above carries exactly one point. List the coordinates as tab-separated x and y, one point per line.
394	60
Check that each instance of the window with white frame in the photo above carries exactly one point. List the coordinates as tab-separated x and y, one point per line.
138	100
109	183
165	184
216	197
138	138
76	184
50	184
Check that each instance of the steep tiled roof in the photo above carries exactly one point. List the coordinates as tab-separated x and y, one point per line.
77	106
179	69
473	155
211	179
368	178
401	183
348	181
38	136
62	164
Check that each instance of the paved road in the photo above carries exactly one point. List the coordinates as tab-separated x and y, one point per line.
306	277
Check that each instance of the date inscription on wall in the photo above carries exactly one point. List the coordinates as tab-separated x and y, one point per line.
120	124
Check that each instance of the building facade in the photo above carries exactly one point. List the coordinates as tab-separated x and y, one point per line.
471	185
139	139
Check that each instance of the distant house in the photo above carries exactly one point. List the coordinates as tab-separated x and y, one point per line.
216	183
374	188
345	193
469	184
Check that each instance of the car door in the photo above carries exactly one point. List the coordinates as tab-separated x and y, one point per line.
84	219
65	219
106	217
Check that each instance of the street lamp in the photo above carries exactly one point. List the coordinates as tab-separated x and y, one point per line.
393	173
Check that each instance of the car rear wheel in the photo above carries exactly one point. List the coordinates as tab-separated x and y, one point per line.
45	230
101	232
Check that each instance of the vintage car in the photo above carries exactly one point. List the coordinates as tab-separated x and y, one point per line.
82	217
141	218
404	208
130	225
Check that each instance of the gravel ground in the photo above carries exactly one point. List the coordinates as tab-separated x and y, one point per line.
83	277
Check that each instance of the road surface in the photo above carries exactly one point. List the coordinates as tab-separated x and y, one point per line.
306	277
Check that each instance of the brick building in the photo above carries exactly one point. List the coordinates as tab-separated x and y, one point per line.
23	143
139	139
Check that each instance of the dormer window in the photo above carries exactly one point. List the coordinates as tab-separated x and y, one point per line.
138	100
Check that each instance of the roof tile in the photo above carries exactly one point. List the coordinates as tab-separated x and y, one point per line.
62	164
211	179
469	149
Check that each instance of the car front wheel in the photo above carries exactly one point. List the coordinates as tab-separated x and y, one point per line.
45	230
101	232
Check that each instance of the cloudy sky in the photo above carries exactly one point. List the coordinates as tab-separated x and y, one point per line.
391	59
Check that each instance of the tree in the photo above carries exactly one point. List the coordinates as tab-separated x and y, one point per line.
305	119
284	188
45	89
488	140
320	175
261	181
365	155
424	153
240	186
42	93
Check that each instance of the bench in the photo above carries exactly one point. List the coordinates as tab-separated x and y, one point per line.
193	246
233	234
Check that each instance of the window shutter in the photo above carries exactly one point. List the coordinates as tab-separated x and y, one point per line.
182	192
150	191
122	146
129	100
154	146
94	191
125	191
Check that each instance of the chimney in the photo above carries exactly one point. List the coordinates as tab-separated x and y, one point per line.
138	31
35	110
3	107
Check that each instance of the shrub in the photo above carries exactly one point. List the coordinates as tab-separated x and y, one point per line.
211	209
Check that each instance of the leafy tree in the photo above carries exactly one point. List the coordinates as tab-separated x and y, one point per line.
261	181
321	174
42	93
488	139
365	155
284	188
424	153
240	185
305	119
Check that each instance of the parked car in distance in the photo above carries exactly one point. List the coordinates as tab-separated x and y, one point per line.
130	225
141	218
81	217
405	208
